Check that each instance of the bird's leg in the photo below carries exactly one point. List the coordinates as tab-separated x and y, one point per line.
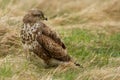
26	51
28	54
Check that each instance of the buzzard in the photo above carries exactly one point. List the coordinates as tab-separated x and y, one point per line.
43	41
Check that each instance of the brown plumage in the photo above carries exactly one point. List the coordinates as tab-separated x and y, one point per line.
43	41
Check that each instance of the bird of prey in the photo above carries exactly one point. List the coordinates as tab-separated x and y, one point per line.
42	40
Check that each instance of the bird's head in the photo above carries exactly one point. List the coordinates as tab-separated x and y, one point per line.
33	16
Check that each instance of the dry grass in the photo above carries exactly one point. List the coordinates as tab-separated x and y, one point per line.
91	26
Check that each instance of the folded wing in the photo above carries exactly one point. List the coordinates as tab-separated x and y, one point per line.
54	50
53	35
52	44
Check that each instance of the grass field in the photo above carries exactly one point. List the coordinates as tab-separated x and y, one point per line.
89	28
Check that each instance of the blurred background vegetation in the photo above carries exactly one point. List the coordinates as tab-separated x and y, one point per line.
89	28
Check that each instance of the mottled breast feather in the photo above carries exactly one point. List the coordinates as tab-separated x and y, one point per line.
29	34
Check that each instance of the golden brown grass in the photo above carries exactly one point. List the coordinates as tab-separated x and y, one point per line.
98	17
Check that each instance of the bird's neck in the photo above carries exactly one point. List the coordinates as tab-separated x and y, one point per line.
32	23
